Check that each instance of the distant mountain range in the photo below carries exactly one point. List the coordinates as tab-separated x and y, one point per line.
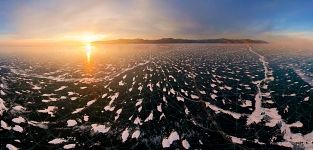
173	40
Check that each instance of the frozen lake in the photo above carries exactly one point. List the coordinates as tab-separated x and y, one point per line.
192	96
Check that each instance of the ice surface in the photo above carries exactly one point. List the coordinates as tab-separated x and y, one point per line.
190	90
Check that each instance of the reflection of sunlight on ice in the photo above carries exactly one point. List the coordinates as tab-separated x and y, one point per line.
88	49
89	66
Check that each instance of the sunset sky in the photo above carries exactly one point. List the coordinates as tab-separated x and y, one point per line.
58	20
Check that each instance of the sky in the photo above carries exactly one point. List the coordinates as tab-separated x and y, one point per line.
29	20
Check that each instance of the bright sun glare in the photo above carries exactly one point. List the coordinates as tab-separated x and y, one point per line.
90	38
86	39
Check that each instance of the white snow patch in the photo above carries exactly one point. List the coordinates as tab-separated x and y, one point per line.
121	83
186	111
18	128
99	128
137	121
104	95
4	125
125	135
150	117
297	124
2	93
57	141
86	118
78	110
50	110
61	88
36	87
18	120
185	144
256	114
140	108
136	134
109	108
71	93
71	123
69	146
90	102
11	147
118	112
2	107
194	96
19	108
228	87
180	98
42	125
236	140
285	144
140	88
113	97
73	98
213	96
48	95
139	101
217	110
162	115
213	85
246	103
173	91
159	107
166	142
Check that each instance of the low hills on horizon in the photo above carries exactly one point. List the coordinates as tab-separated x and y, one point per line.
174	40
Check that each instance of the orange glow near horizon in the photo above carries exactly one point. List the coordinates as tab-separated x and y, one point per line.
85	37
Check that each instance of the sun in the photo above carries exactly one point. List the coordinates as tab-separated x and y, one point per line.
87	37
90	38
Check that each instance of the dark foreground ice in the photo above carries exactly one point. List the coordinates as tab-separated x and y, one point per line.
185	96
